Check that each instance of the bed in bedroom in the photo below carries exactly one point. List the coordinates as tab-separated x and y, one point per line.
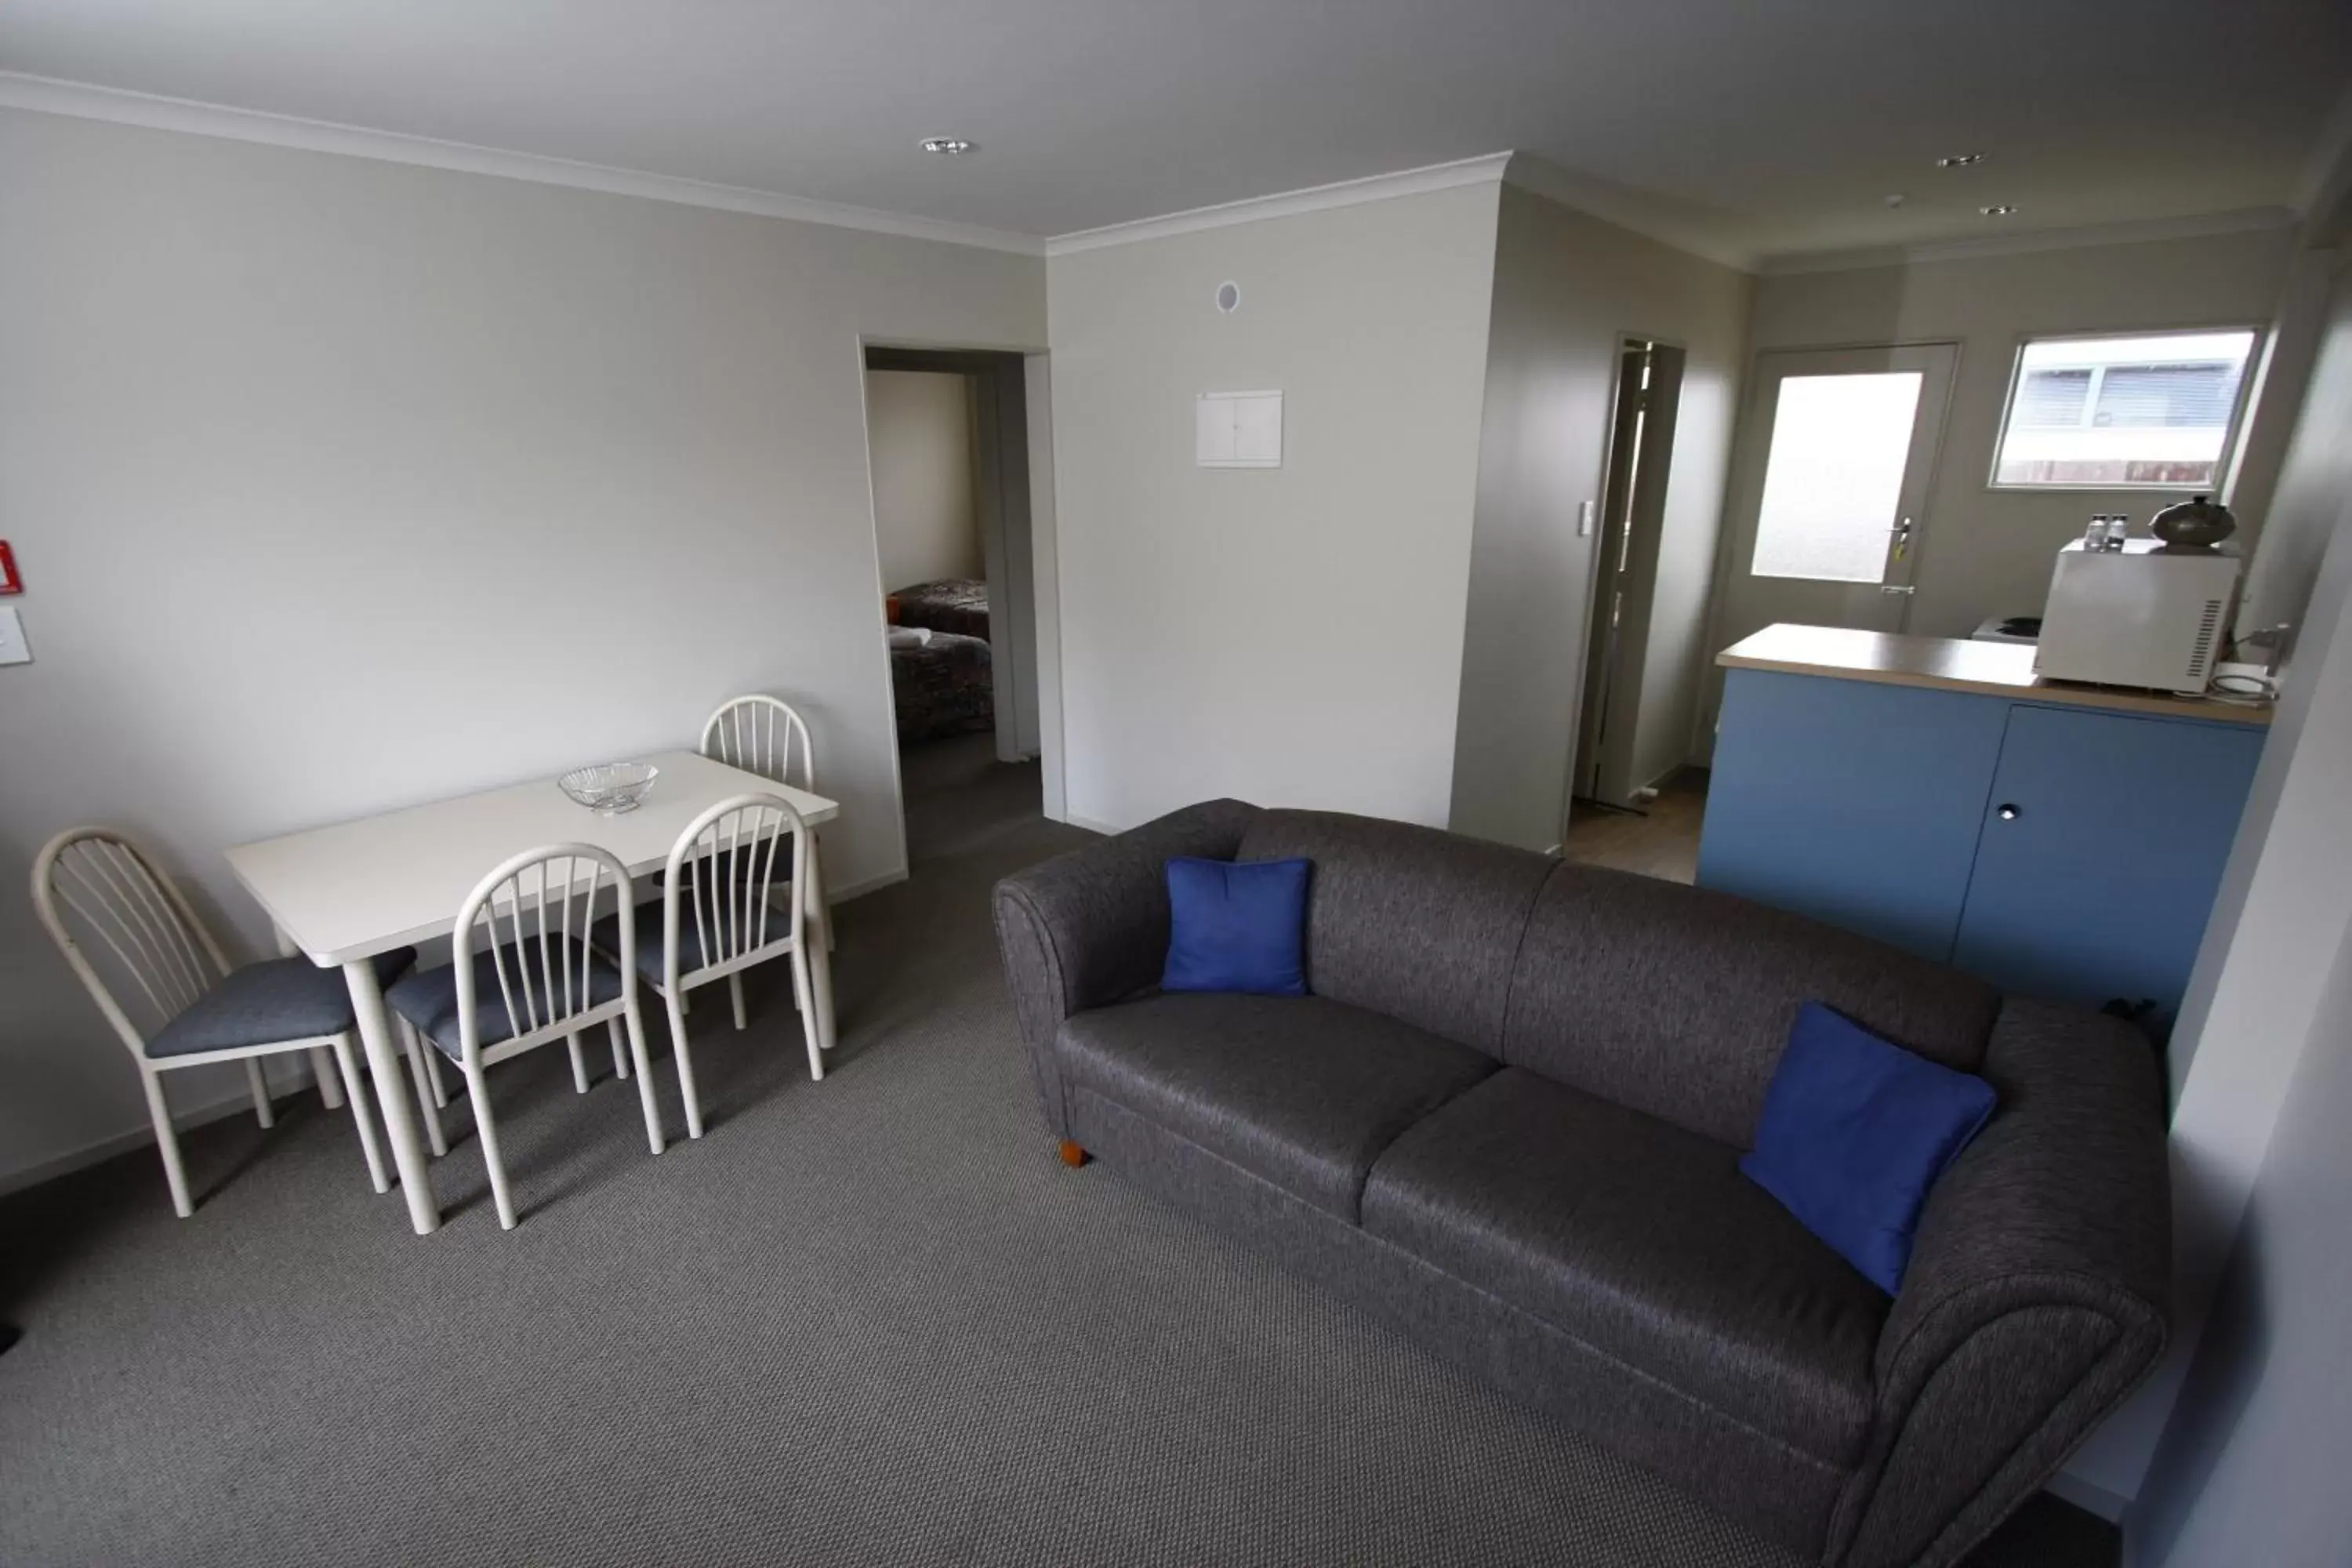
941	679
957	605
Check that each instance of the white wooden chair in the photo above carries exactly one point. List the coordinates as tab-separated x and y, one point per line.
763	735
715	920
107	908
536	979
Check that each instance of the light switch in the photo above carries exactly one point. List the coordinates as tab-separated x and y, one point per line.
1584	519
1212	429
1257	429
1238	430
12	638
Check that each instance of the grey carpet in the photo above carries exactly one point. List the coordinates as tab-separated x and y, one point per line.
871	1320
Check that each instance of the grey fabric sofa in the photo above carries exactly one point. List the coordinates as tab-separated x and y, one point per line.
1508	1118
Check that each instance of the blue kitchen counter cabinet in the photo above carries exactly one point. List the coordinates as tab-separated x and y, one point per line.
2058	848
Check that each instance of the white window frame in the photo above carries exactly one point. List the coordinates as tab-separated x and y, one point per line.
2224	464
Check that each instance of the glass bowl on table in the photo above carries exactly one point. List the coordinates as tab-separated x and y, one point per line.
609	789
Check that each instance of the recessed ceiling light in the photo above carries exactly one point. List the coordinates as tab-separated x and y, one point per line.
948	146
1999	209
1961	161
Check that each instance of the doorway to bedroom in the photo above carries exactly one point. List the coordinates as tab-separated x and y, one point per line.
949	442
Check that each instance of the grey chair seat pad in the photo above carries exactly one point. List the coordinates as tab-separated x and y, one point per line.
1300	1091
693	953
263	1004
1643	1241
428	998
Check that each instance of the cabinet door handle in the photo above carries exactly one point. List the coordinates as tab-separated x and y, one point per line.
2006	811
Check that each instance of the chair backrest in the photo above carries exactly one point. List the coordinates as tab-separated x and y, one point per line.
113	914
535	912
762	735
719	874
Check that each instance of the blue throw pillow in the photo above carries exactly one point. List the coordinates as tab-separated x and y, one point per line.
1236	925
1854	1132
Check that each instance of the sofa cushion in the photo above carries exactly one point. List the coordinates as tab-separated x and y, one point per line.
1409	922
1643	1241
1236	925
1677	1001
1301	1091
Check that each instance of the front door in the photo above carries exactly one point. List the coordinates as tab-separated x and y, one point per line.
1830	484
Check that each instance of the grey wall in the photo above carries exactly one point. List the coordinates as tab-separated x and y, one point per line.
1567	287
340	485
918	438
1291	635
1986	552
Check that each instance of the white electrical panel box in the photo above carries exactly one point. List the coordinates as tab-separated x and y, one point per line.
1238	430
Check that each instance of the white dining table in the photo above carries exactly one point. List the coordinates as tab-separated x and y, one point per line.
341	895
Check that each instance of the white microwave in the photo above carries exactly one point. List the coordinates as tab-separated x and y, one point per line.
2143	616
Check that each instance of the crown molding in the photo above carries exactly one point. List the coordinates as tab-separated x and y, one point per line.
1678	225
46	95
1485	170
2137	231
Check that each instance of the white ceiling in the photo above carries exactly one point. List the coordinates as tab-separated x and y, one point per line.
1766	126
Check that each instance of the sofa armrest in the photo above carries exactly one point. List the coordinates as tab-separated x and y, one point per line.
1091	926
2036	1295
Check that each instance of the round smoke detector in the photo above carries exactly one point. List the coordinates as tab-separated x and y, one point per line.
1229	298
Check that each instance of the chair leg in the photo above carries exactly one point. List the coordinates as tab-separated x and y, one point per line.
619	1051
674	1004
432	1078
329	1080
260	1086
478	1089
579	1064
421	1073
346	1067
167	1143
735	994
800	998
646	1075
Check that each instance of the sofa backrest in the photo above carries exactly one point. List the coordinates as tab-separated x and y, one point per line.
1677	1001
1411	921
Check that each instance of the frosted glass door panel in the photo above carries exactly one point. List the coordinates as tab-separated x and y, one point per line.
1833	481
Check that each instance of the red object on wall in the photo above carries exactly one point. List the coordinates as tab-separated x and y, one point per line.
9	581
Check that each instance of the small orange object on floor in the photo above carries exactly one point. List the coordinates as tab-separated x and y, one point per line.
1072	1155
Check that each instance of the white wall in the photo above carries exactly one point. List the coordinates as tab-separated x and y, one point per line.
1568	288
340	484
919	439
1289	636
2279	917
2251	1469
1986	553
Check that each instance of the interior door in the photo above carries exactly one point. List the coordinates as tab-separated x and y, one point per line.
1828	488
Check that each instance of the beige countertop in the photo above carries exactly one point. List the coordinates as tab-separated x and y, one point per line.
1953	664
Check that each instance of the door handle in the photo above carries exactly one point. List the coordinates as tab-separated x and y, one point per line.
1901	532
1903	588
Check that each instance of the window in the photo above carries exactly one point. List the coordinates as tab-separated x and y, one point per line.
2115	413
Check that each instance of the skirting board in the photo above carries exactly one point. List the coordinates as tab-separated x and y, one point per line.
143	1135
2067	1487
870	885
1091	825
